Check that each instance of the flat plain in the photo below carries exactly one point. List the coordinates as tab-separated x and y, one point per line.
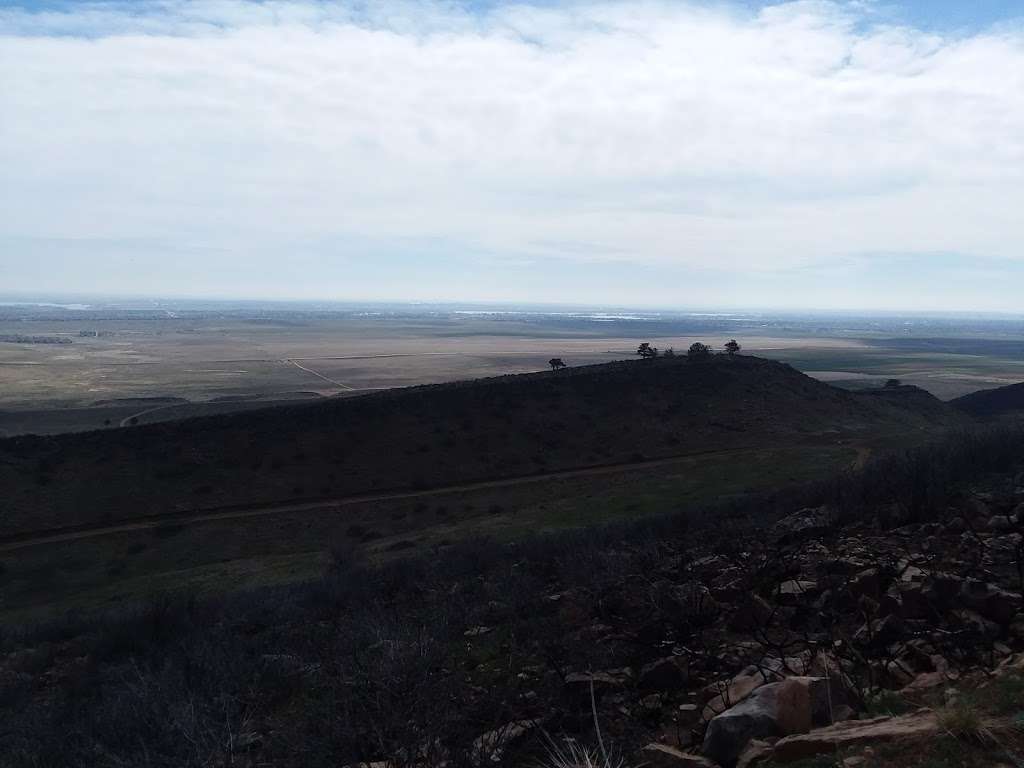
120	367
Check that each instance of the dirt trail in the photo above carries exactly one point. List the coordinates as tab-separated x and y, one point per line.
54	536
19	541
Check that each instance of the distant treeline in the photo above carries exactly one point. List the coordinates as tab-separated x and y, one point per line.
17	338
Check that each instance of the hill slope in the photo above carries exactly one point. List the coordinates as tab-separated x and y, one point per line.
440	435
992	402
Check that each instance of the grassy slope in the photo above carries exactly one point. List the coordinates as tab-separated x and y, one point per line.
439	435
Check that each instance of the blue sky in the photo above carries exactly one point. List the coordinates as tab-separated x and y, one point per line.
806	154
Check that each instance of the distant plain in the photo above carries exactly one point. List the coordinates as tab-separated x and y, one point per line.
125	366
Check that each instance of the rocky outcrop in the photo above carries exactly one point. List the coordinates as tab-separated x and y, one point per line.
774	709
841	736
664	756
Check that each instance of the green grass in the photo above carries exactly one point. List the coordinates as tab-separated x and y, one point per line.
224	555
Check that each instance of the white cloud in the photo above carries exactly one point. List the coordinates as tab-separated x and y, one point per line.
658	132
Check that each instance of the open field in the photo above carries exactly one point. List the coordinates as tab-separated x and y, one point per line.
156	365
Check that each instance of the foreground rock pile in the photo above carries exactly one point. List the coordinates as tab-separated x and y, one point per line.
774	648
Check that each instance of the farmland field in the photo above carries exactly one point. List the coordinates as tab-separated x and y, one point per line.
120	366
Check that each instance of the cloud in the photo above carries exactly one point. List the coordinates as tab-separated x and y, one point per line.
656	133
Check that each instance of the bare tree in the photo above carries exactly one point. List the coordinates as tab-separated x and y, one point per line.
556	363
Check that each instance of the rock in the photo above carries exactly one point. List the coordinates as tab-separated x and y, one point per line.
807	523
662	675
841	736
941	588
1001	524
1017	629
651	702
491	746
827	700
578	683
756	751
664	756
978	623
696	602
989	601
722	695
880	632
911	601
976	510
795	591
774	709
954	527
868	582
752	613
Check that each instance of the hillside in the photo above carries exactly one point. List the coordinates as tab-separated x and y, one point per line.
992	402
874	621
433	436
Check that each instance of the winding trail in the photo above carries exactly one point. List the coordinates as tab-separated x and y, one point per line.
191	517
74	533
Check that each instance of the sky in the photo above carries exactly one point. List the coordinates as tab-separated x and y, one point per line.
662	153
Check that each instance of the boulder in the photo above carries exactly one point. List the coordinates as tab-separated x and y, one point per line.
796	591
880	632
491	746
720	696
976	511
663	756
696	602
752	613
940	589
1001	524
867	582
828	701
807	523
842	736
990	601
774	709
662	675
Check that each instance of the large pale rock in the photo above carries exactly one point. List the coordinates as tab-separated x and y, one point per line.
775	709
663	756
841	736
721	696
795	591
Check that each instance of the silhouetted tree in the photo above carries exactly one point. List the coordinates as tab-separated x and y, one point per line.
698	351
893	383
556	363
669	352
732	347
645	350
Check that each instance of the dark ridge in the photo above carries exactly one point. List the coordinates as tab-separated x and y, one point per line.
992	402
441	435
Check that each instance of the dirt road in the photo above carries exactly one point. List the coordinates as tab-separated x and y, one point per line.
53	536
